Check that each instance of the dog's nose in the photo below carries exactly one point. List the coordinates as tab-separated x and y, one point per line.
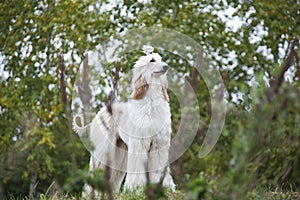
165	67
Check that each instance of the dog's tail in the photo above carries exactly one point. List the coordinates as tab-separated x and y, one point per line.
79	129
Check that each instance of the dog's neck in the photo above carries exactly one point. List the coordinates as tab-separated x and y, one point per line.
155	92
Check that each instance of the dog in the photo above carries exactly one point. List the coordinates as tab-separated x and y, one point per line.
133	138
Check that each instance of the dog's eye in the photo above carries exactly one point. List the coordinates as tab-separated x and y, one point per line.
152	60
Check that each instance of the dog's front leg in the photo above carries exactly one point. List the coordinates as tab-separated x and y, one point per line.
137	162
158	163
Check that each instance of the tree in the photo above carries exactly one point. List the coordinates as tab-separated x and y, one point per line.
35	125
39	38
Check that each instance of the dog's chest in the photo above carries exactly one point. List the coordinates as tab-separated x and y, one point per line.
145	119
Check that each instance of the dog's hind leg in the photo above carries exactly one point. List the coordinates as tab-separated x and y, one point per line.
119	164
116	179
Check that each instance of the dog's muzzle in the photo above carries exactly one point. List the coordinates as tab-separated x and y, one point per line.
164	70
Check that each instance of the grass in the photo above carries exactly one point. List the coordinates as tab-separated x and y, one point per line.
135	195
275	193
287	192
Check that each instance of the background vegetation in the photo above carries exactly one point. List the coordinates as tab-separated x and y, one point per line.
254	44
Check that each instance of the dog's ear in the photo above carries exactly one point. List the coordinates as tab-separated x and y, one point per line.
164	90
140	88
166	96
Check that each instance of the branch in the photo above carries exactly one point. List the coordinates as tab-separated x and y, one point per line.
107	182
297	63
149	191
84	89
112	95
194	76
292	56
62	69
287	65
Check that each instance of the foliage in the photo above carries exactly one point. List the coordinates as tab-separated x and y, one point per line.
35	124
259	145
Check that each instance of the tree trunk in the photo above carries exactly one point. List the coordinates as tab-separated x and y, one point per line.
1	190
33	184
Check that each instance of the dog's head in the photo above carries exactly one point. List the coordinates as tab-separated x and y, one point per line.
149	71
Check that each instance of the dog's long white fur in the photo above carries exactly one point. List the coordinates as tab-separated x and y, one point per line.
136	136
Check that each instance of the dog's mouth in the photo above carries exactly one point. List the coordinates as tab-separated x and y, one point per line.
161	72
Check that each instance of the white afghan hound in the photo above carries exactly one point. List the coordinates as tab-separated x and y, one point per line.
134	138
